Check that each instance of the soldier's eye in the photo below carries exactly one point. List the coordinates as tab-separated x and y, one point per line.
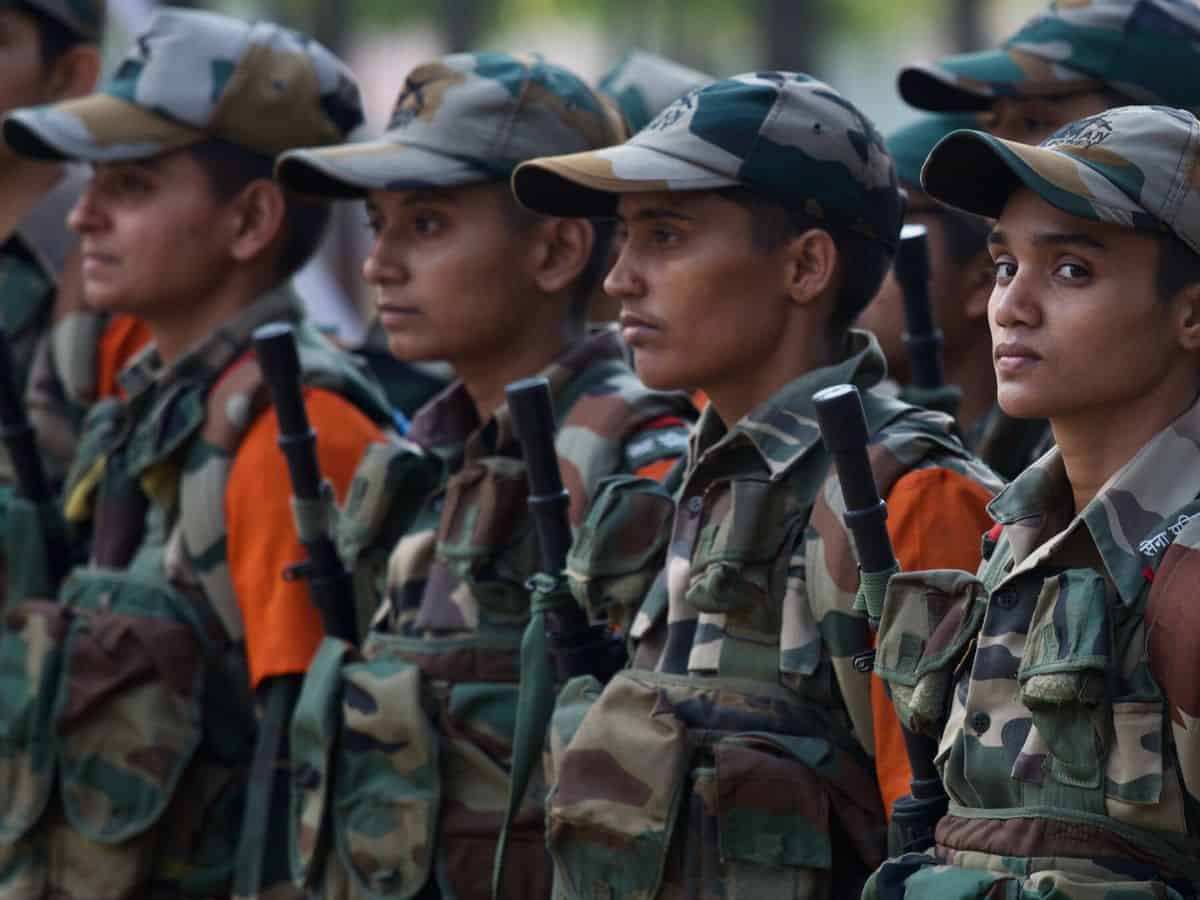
427	223
1006	270
1071	271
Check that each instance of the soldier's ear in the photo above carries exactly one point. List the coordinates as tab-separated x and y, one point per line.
564	248
74	73
257	219
811	270
1187	303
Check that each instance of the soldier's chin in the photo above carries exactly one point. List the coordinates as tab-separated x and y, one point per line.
1021	402
659	374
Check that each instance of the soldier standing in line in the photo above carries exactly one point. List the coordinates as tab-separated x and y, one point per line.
130	719
424	718
1073	59
1062	682
738	757
961	276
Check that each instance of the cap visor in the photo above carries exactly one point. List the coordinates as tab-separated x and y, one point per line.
977	172
587	184
348	171
98	128
972	82
936	90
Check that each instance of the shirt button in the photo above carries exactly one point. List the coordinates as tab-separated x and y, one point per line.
981	722
694	505
1006	599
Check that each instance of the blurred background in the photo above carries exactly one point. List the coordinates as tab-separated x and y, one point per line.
856	45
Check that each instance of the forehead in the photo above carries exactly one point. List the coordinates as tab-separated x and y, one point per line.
1026	216
467	195
694	204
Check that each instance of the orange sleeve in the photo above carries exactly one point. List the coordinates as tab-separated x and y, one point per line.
936	519
282	626
121	340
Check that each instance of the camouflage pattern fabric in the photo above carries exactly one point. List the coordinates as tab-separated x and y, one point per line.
131	724
415	798
909	146
1148	50
643	84
1070	750
191	76
84	18
1129	166
735	758
796	140
518	107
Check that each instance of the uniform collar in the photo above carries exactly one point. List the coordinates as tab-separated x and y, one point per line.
449	424
1127	519
784	428
213	354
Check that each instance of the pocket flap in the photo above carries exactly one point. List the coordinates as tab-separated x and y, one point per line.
312	738
387	786
31	644
620	547
129	706
772	809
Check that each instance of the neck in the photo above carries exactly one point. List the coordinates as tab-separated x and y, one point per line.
485	377
22	185
182	328
970	369
736	396
1093	449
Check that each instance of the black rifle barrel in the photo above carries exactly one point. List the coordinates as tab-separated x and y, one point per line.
18	435
533	422
329	583
923	338
844	431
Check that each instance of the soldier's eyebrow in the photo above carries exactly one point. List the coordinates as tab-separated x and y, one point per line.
426	195
997	238
655	212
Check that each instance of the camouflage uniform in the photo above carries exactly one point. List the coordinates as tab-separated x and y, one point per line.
1148	50
734	759
1070	749
128	717
642	84
408	744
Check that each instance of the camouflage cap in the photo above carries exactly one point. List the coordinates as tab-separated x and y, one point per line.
1134	166
1149	50
84	18
643	84
195	75
783	135
910	145
462	119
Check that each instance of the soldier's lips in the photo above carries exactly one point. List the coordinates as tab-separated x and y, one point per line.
91	261
1013	358
637	329
396	314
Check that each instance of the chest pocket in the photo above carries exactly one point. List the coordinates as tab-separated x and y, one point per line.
485	537
743	524
1063	674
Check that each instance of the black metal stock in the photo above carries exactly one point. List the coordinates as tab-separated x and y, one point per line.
578	647
923	338
844	430
329	584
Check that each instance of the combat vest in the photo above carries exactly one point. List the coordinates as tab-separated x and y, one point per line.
739	767
407	744
128	723
1057	750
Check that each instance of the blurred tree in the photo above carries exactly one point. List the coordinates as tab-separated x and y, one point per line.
462	22
966	17
792	33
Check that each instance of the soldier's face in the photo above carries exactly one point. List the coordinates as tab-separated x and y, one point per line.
448	270
1078	331
957	291
701	306
1031	120
153	237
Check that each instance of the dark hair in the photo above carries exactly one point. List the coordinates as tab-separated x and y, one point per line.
231	167
55	39
594	270
864	261
966	234
1178	266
